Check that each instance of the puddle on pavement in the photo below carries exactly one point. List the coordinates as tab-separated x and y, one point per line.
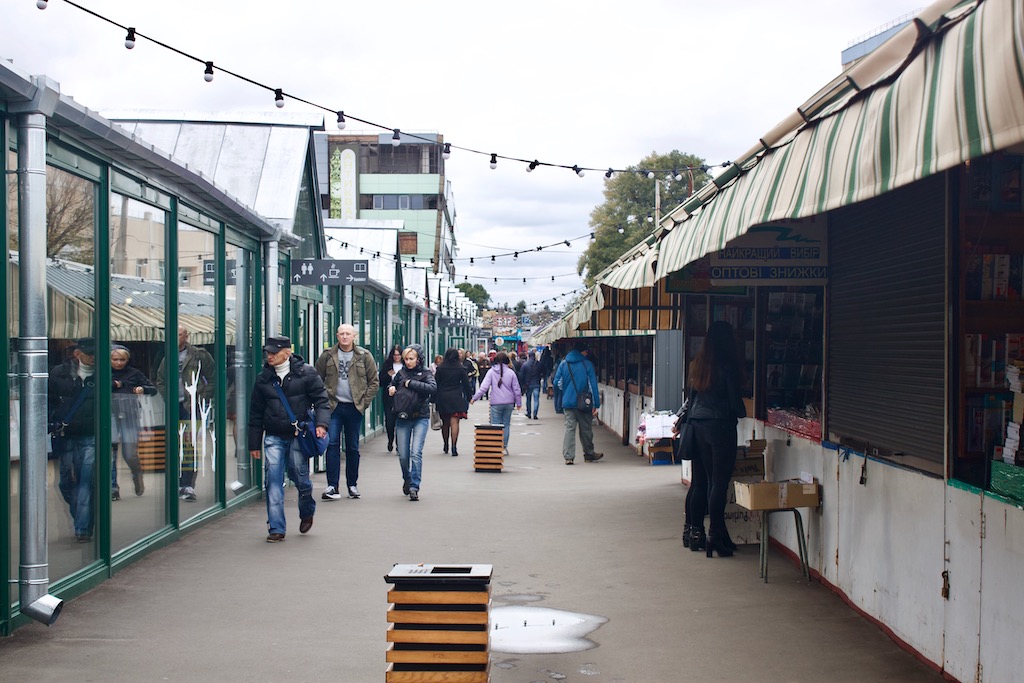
519	629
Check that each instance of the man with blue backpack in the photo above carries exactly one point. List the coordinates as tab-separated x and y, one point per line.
577	381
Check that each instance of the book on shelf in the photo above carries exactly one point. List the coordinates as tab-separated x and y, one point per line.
1001	276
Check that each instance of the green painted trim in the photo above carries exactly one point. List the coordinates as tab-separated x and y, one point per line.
101	323
964	486
6	537
173	507
220	391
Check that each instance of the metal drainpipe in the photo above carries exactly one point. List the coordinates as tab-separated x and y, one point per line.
273	291
33	580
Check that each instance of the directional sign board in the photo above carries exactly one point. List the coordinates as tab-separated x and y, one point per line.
329	272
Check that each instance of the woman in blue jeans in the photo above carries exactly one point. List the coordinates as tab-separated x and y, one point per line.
411	389
504	393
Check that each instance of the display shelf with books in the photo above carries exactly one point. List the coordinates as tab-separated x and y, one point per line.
990	244
793	351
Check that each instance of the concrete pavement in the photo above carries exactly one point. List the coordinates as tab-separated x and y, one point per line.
597	538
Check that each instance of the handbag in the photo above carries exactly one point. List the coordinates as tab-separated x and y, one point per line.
685	443
309	443
435	418
584	401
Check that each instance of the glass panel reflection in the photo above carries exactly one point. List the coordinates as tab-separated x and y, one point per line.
137	422
197	373
241	371
71	387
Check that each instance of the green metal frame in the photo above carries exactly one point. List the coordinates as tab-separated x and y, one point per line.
6	537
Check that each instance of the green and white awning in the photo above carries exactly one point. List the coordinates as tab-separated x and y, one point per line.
947	88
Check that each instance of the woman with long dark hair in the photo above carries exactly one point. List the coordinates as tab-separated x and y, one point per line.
714	382
452	398
391	364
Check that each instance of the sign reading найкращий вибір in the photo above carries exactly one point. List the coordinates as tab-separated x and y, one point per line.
784	252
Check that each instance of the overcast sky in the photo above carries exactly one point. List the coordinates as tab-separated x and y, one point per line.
595	83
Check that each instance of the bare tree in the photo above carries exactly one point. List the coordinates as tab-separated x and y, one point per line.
70	216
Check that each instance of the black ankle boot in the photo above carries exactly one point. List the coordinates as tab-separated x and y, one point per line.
698	540
718	545
687	530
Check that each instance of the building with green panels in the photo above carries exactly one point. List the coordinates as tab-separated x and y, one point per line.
118	244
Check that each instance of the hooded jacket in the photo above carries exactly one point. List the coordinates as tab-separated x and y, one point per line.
503	384
421	384
576	372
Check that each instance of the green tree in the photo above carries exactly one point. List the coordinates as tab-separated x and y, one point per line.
475	293
520	307
628	202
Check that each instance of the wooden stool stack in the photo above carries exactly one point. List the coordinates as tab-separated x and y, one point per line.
439	617
488	447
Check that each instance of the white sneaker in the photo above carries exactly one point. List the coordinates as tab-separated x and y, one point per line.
353	492
188	493
330	493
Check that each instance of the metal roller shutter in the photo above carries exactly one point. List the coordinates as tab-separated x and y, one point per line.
886	324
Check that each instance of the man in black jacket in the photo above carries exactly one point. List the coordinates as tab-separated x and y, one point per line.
271	427
71	393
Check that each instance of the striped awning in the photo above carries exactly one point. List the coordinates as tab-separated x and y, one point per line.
632	271
947	88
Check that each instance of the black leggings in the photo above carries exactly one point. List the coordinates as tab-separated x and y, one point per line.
716	448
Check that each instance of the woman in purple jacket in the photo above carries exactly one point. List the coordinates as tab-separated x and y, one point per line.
505	394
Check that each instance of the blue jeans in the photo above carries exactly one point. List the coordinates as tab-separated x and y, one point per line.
409	438
532	401
348	419
77	464
281	454
502	415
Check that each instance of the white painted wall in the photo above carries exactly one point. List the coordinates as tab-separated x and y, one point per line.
884	546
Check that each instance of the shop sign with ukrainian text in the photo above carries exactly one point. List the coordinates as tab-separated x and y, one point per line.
789	252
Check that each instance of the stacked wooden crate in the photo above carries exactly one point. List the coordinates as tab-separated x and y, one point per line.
488	447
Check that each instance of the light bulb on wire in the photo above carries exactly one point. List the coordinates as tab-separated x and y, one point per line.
278	97
129	40
41	4
578	171
208	74
446	151
533	164
396	138
341	120
494	161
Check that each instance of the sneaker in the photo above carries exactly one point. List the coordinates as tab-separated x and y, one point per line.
305	525
83	538
569	462
405	488
115	495
593	457
275	538
414	494
330	493
188	493
140	487
353	492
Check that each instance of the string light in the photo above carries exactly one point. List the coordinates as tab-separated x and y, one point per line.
396	138
621	230
578	171
341	120
279	102
533	164
446	151
208	74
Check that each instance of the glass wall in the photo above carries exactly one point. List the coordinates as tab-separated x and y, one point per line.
195	461
137	411
73	499
243	363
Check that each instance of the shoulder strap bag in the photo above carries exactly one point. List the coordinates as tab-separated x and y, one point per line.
309	443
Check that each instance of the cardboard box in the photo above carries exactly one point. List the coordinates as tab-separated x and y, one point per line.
749	467
777	495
